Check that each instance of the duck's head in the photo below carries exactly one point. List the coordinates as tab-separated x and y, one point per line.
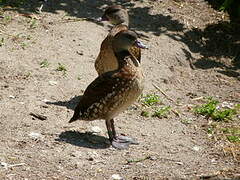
115	15
124	40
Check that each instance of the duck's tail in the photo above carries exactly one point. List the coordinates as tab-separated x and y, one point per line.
76	114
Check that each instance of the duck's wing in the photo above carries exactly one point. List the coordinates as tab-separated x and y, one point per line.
97	93
106	60
105	57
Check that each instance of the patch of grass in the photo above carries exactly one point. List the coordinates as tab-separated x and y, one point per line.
150	99
233	133
44	63
7	19
33	23
211	109
221	115
233	138
29	74
61	67
145	113
23	45
79	77
153	106
210	130
162	112
2	42
207	109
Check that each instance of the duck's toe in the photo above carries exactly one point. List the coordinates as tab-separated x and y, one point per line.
123	142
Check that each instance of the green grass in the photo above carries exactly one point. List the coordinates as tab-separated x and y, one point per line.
232	134
150	99
145	113
44	63
61	67
153	106
211	109
79	77
220	114
207	109
33	23
6	19
162	112
2	42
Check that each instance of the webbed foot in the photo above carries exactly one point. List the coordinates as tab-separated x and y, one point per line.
123	142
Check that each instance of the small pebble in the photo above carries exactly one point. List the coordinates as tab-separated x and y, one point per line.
196	148
117	177
35	135
3	164
179	163
46	100
96	129
52	83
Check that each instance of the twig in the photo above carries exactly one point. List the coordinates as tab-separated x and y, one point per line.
175	112
14	165
198	98
74	20
137	160
39	116
158	88
5	165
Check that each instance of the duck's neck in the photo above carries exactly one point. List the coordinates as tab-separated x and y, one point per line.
122	61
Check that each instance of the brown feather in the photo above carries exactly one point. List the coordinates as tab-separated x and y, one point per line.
111	93
106	60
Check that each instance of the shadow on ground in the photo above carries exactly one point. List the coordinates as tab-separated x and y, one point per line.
218	44
70	104
87	139
141	18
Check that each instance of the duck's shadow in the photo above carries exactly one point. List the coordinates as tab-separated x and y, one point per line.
87	139
70	104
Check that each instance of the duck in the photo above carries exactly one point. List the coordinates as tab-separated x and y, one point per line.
114	91
106	60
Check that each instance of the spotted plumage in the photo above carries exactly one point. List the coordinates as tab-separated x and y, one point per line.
112	92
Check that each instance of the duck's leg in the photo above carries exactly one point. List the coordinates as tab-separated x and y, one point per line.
119	142
109	129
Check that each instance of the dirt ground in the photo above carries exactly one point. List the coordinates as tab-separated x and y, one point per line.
192	53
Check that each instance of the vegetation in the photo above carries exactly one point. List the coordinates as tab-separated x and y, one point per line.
61	67
162	112
44	63
2	42
233	133
150	99
231	6
211	109
154	106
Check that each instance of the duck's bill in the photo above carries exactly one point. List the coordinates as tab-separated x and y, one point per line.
141	45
